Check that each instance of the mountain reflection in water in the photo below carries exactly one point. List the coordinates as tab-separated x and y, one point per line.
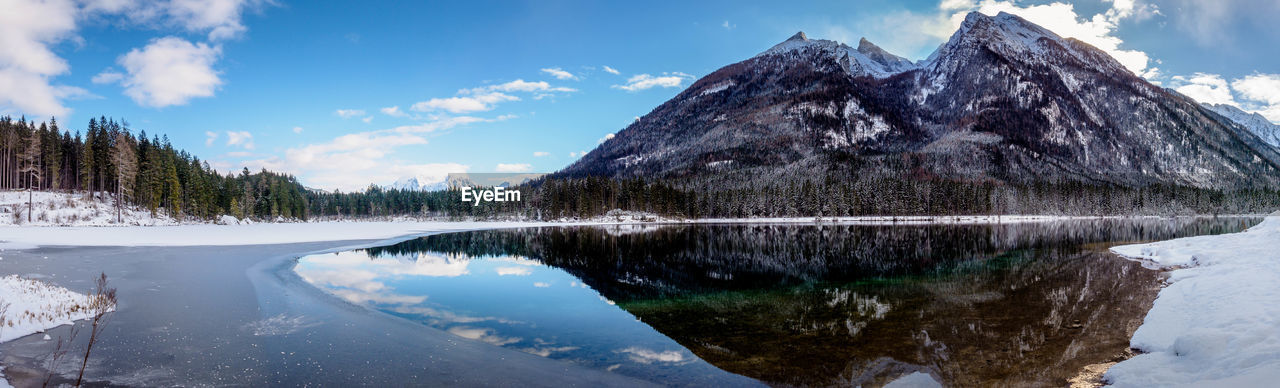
1021	304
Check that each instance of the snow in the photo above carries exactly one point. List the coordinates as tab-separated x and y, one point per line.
857	62
35	306
61	208
914	380
718	87
1256	123
1217	322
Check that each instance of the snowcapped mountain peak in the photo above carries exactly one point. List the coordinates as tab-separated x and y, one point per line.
801	42
890	64
413	183
406	183
1015	39
867	60
1256	123
865	45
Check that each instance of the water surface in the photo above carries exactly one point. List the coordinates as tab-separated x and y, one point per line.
1024	304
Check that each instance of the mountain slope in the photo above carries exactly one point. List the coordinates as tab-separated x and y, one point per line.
1265	129
1003	100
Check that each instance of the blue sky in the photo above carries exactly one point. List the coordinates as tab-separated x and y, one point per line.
309	87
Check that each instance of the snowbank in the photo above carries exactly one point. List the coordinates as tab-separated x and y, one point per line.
1217	323
35	306
65	209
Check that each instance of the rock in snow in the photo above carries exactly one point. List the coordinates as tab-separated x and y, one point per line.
1217	323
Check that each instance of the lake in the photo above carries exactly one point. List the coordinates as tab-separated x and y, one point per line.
798	304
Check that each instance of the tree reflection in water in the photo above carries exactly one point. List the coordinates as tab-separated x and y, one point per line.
1020	304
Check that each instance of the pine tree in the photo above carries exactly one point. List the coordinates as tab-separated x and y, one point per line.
125	159
86	161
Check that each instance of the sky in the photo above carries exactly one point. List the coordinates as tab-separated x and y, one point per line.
347	94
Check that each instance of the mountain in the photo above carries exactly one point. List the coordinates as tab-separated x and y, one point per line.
1002	100
415	184
455	180
1265	129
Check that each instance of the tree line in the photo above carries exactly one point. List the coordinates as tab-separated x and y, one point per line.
109	162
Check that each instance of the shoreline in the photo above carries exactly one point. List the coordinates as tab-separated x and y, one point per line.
28	237
1215	319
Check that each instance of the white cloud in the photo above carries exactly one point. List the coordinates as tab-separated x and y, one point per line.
170	71
577	154
646	356
559	73
210	137
728	26
464	104
297	129
513	271
1262	94
107	77
1259	87
520	85
349	113
645	81
367	119
542	285
1255	93
539	154
353	161
605	138
220	17
513	167
27	64
243	139
393	111
611	70
1206	88
488	97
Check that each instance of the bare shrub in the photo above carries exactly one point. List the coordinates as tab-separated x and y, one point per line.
4	315
60	348
102	302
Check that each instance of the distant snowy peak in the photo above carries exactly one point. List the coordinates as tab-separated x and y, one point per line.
407	183
1256	123
416	184
867	60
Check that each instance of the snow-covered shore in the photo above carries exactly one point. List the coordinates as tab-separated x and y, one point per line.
29	306
35	306
49	208
1217	322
